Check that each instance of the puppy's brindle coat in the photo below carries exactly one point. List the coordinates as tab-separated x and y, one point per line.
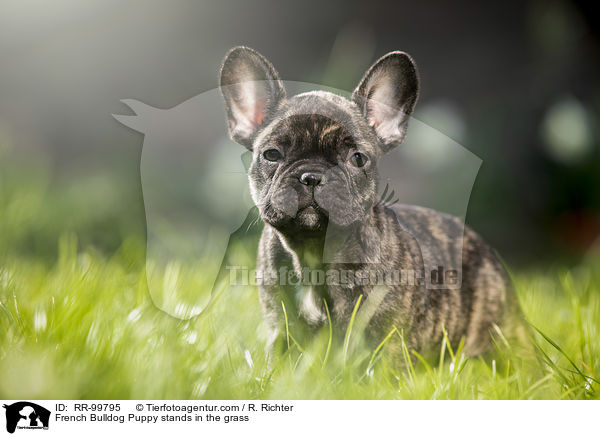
314	179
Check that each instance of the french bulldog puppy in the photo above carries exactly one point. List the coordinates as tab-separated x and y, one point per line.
314	180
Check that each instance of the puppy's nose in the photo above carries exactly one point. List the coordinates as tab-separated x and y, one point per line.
311	179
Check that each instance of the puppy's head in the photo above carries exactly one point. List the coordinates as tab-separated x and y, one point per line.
315	154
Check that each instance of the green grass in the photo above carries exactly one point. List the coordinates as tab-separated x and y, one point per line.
85	327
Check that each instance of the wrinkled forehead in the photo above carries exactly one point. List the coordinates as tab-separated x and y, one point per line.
322	117
306	129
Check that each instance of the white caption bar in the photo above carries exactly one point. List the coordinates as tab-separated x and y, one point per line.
23	417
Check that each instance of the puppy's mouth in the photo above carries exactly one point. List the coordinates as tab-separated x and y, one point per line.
311	216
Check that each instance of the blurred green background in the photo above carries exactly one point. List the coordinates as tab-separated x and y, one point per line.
517	83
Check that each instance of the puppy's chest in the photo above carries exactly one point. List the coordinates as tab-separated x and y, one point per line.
317	303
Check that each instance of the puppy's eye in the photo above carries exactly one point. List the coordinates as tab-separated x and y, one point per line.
359	159
272	155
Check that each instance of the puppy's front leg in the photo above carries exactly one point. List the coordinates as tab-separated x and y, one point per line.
272	301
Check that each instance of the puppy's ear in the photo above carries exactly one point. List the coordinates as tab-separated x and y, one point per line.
251	89
387	95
